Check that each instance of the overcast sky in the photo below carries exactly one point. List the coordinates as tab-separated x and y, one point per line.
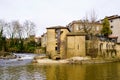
46	13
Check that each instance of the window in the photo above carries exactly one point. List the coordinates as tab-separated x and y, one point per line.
56	48
111	26
78	46
111	20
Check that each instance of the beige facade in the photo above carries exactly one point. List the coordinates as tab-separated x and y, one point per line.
63	46
51	42
76	44
56	41
44	40
77	26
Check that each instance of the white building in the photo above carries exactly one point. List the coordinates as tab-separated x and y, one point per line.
115	26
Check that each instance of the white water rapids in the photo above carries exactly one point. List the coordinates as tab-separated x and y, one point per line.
21	59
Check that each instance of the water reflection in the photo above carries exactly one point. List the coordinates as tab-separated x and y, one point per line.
65	72
110	71
28	72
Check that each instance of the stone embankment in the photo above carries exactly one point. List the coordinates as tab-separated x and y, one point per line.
75	60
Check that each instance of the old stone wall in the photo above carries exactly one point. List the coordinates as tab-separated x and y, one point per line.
63	46
108	49
51	42
76	46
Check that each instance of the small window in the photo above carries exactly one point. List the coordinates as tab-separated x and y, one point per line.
78	46
56	48
111	26
111	20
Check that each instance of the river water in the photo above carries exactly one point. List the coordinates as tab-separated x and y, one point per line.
25	70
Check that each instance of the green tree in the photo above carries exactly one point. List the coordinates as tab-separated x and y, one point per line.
106	28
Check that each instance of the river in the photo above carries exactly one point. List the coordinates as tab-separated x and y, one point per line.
25	70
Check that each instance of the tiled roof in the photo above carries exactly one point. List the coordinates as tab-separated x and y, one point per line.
113	36
112	17
57	27
76	34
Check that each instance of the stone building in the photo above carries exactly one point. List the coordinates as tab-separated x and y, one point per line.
61	43
56	41
76	44
89	39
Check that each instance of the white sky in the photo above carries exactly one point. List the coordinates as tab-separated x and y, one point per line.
46	13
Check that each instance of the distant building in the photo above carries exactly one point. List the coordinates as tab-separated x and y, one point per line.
44	40
32	38
77	26
114	21
38	40
29	39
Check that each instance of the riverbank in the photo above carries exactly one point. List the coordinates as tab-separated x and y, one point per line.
7	55
76	60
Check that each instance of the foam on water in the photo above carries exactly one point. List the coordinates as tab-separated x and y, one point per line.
24	59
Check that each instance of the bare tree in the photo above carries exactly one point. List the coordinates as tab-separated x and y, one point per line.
29	28
9	30
12	29
89	27
17	29
89	23
2	26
